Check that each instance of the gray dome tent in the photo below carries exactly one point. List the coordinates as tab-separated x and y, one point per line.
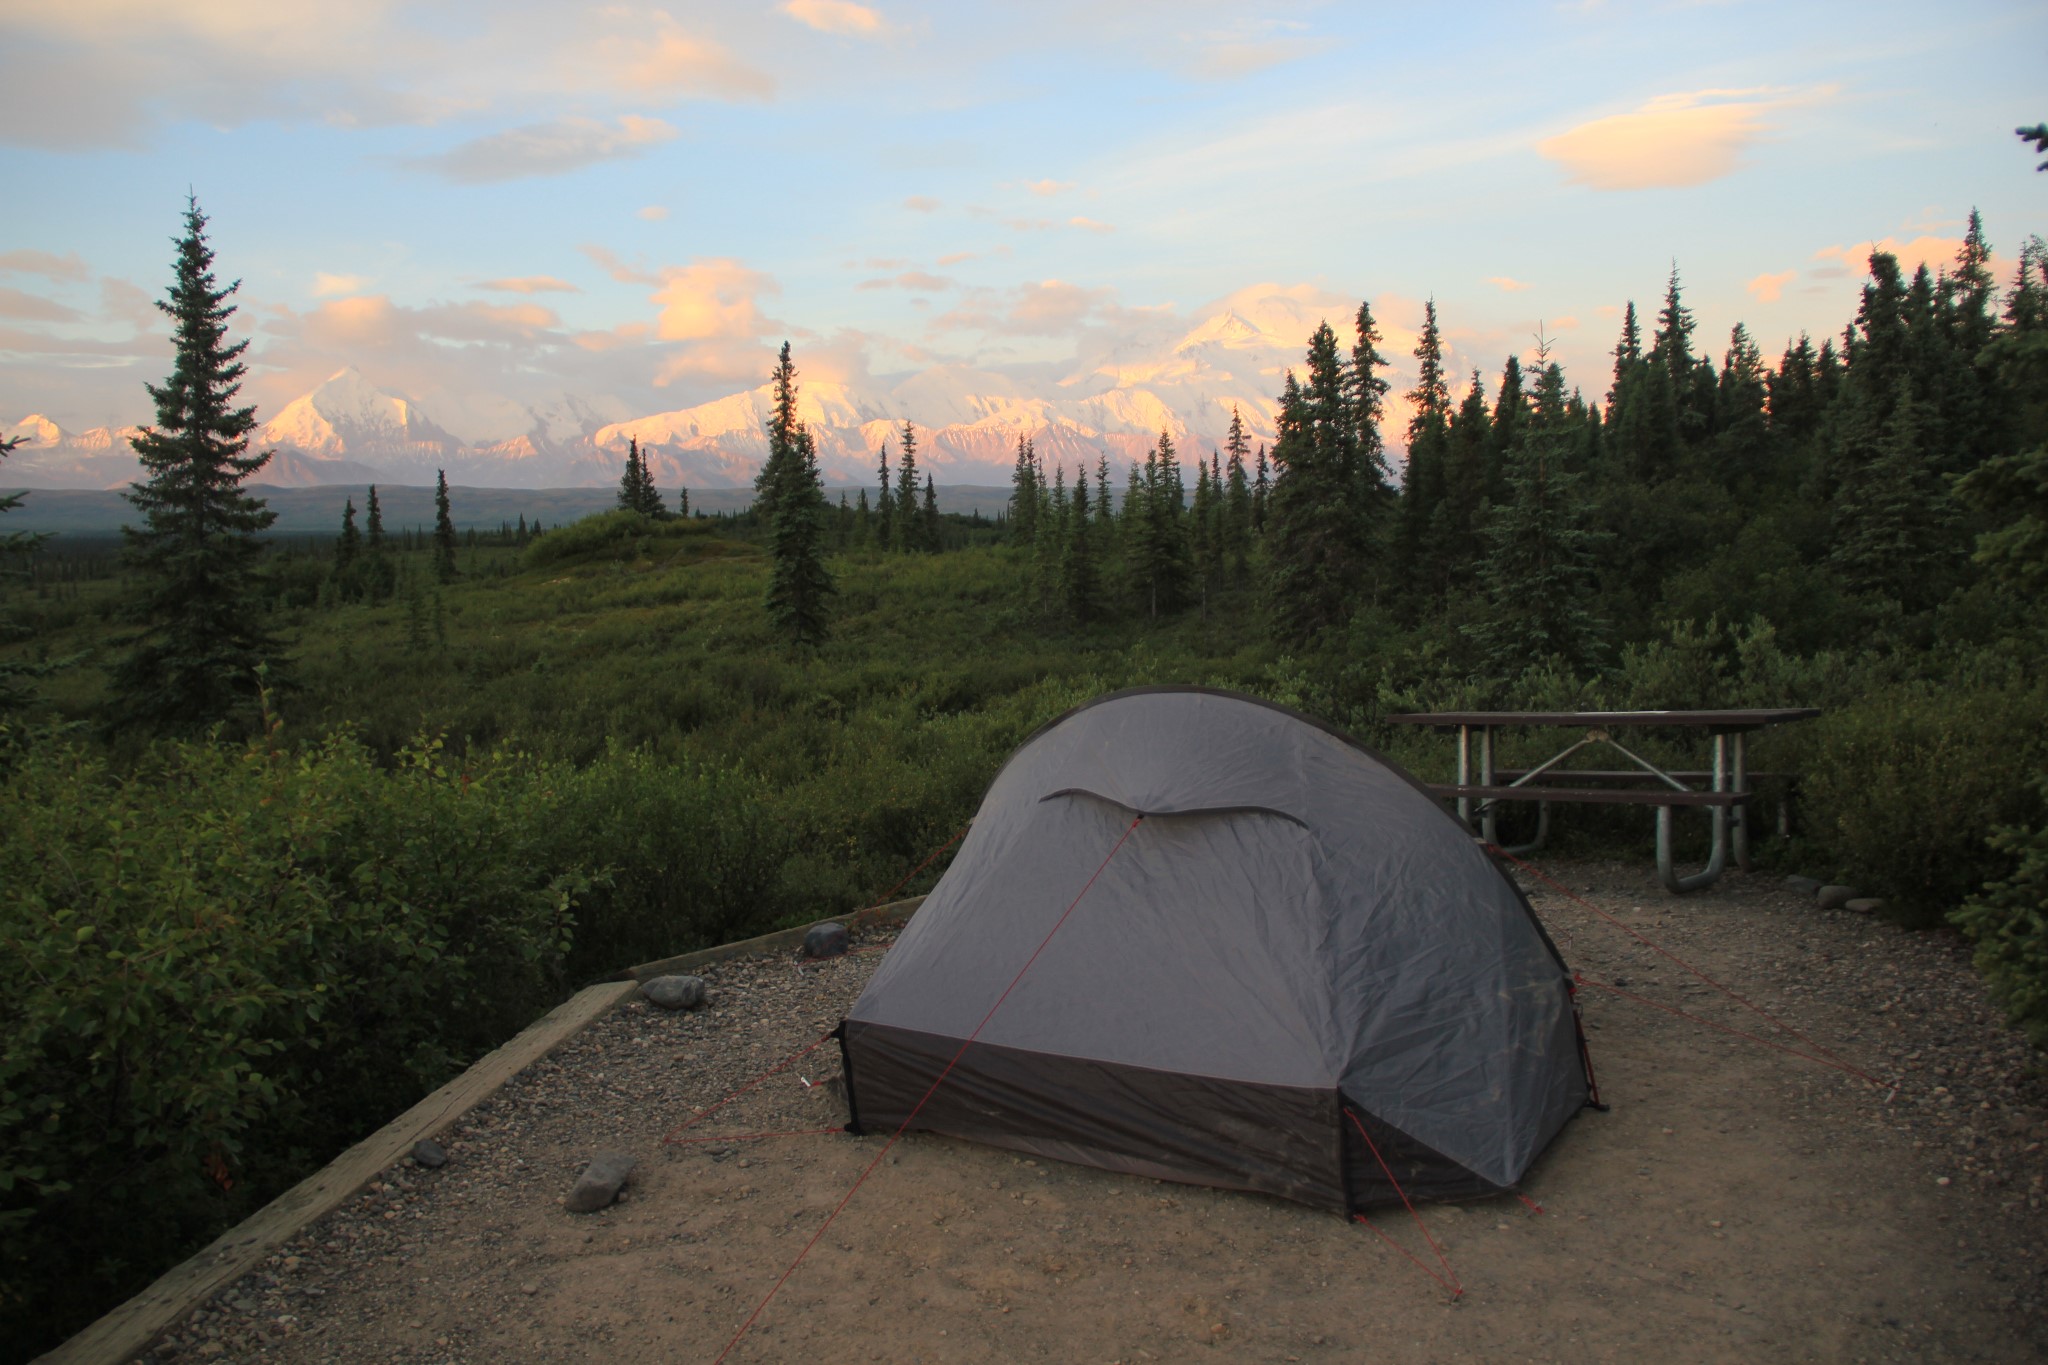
1295	948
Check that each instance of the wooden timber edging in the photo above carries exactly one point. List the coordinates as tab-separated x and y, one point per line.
130	1329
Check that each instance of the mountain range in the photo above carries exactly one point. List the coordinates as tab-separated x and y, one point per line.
967	420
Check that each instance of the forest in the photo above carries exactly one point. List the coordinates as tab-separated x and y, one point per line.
296	830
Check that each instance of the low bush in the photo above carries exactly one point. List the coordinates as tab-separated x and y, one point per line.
2008	920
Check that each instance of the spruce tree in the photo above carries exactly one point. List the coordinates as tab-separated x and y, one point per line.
1368	408
1160	551
15	674
1422	483
379	574
1319	525
1538	573
800	587
651	504
1237	517
1080	578
349	543
633	483
1024	495
885	505
1262	488
203	637
909	525
931	516
444	531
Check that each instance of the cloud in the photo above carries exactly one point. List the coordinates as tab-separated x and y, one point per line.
69	267
1047	308
1230	59
1048	187
327	286
1854	261
921	203
955	257
711	300
837	16
537	149
33	307
1506	284
1089	225
653	213
679	63
608	261
916	280
528	284
1672	141
1768	288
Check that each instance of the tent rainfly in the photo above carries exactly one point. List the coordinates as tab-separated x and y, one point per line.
1298	974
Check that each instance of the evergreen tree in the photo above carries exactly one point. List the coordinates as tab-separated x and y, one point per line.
1897	535
1538	572
885	505
444	531
378	573
1104	514
682	501
1201	537
909	527
863	520
1457	530
203	638
1510	419
633	483
1080	579
1368	393
373	526
1422	483
1024	494
349	543
1160	552
1319	522
1262	488
1237	515
15	674
931	516
799	586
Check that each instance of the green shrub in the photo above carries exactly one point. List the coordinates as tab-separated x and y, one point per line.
220	968
1903	787
2008	920
616	535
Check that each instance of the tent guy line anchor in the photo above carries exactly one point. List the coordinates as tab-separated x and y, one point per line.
905	1125
1449	1279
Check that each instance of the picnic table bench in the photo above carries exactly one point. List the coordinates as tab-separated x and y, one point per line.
1724	790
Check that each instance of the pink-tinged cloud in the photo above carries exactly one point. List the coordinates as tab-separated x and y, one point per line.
33	307
1506	284
653	213
528	284
539	149
921	203
1046	308
1048	188
955	257
1769	288
626	334
1932	252
1673	141
70	267
837	16
711	300
1090	225
916	280
678	63
625	272
326	286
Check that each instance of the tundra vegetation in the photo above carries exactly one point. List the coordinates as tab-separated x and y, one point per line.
258	894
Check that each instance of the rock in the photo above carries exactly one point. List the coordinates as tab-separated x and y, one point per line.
675	992
1864	905
429	1154
1834	897
599	1184
1802	886
825	940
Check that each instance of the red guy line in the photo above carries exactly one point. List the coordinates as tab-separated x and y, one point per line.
1456	1289
902	1127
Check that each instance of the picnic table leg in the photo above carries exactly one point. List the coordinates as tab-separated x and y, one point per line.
1465	774
1740	814
1717	855
1487	813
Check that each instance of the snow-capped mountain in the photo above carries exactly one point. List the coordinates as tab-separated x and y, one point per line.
967	422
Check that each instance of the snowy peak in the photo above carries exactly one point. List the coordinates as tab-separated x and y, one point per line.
36	430
348	415
1230	331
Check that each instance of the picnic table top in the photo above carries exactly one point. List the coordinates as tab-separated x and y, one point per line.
1752	719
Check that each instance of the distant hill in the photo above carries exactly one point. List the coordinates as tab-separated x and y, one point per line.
317	511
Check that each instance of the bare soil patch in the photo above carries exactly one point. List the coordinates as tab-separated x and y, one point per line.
1736	1204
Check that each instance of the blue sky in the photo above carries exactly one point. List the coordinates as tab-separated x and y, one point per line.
482	205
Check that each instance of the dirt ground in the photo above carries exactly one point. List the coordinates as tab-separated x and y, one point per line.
1737	1203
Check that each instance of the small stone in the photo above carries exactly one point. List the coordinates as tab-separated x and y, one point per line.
1864	905
825	940
211	1350
675	992
430	1154
529	1288
600	1182
1802	886
1944	1182
1834	897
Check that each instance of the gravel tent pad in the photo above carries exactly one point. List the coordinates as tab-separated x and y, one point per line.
1260	957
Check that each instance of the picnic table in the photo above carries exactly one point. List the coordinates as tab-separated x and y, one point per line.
1724	790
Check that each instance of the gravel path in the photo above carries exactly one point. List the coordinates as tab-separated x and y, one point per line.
1737	1203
